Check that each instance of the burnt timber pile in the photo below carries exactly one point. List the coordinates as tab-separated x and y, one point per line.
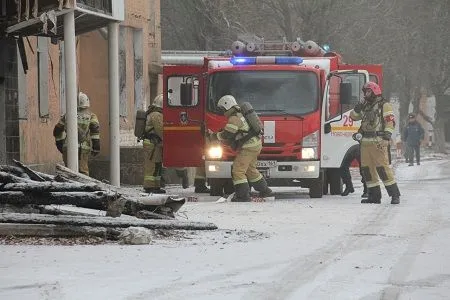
35	204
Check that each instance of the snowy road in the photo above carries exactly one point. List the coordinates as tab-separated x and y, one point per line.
299	248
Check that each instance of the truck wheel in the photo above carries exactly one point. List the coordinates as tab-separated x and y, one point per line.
216	187
228	186
316	189
334	178
316	186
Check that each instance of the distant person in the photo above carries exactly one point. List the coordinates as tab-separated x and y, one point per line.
413	135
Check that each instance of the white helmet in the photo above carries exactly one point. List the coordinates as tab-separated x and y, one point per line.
158	101
226	102
83	100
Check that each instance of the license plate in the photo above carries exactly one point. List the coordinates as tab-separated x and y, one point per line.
266	164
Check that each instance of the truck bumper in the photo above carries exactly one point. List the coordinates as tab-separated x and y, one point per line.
283	170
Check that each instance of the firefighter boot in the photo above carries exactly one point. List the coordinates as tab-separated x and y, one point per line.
242	193
200	186
348	189
374	195
394	192
182	173
262	188
365	194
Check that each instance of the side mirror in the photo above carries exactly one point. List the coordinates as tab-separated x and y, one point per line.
346	93
327	128
186	94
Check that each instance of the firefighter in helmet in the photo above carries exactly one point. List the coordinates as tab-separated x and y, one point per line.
377	125
153	136
88	134
248	147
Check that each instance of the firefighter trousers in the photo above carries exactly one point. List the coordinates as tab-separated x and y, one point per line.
375	163
244	166
83	161
152	164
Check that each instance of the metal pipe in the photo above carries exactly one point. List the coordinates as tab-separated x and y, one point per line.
114	129
70	60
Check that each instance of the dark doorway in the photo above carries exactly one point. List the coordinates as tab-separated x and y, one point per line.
9	117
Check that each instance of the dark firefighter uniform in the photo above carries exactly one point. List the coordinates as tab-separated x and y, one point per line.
377	125
88	135
235	134
153	137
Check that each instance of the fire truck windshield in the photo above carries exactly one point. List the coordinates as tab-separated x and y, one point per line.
269	92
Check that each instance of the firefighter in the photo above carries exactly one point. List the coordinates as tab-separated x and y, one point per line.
347	177
88	134
153	147
236	134
377	125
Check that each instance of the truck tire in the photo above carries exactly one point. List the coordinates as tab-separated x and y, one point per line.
334	178
216	186
316	186
316	189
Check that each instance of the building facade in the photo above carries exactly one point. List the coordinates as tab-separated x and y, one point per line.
32	103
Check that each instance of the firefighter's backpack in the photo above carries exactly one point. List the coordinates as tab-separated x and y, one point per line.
139	127
252	118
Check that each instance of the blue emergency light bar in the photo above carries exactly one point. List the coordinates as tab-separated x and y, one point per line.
266	60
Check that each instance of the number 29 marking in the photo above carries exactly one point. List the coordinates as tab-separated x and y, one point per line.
348	121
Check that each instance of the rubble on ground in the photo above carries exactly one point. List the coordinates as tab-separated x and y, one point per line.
36	204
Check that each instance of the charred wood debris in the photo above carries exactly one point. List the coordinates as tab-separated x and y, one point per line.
38	204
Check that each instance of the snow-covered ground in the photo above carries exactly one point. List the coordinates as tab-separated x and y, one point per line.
290	248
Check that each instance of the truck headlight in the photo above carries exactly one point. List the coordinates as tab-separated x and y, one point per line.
309	153
215	152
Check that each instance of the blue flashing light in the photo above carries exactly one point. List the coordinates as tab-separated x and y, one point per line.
288	60
326	47
278	60
243	60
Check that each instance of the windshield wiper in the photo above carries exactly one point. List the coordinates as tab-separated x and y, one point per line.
282	111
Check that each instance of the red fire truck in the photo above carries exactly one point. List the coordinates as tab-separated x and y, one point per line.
302	93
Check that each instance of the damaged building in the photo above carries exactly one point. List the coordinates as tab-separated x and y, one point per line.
34	87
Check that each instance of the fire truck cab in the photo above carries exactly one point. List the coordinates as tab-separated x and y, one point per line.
302	94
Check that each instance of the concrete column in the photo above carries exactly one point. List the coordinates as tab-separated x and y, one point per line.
70	60
114	147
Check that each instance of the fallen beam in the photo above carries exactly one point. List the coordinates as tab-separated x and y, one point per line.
93	200
50	186
104	222
52	230
33	175
133	201
10	178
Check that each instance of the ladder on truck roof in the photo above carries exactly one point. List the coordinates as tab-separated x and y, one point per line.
188	57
